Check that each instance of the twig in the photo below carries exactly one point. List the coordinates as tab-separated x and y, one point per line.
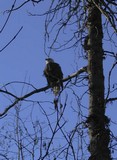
10	11
11	39
111	99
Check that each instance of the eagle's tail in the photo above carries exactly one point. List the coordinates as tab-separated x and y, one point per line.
57	87
56	90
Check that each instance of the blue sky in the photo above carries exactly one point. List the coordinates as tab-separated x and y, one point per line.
24	60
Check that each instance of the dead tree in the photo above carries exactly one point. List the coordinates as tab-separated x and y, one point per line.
99	132
60	15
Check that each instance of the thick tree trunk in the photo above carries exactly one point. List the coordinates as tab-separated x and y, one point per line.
97	121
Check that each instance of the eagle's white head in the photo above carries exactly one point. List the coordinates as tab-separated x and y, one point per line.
49	60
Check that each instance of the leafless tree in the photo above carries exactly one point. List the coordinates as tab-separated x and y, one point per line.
92	25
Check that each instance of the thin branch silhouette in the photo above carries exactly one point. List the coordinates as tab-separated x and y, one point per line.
11	39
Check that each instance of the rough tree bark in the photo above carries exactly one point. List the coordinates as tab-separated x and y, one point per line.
98	123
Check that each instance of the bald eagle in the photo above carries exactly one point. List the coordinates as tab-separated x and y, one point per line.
54	75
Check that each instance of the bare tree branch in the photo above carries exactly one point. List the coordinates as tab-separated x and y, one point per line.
24	3
111	99
109	15
12	39
18	99
10	11
109	80
84	69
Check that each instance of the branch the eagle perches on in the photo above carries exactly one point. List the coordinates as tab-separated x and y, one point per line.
18	99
